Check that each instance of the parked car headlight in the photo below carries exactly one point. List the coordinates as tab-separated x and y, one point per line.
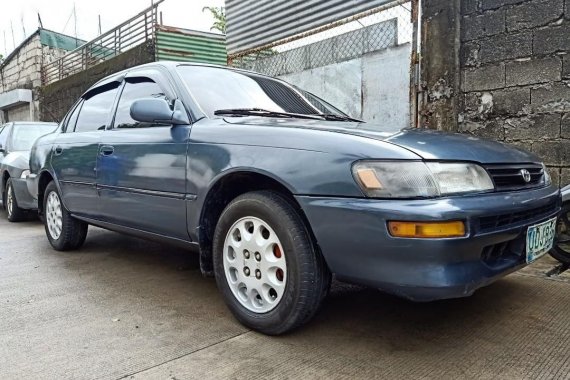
412	179
24	174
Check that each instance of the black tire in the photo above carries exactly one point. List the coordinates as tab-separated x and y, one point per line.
73	231
13	212
560	253
308	277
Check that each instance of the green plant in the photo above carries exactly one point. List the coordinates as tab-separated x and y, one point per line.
219	15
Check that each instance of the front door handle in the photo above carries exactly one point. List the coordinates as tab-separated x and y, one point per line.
106	150
58	150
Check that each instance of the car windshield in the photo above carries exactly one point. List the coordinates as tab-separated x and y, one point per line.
25	135
218	89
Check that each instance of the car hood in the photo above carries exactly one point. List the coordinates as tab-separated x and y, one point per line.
17	160
434	145
428	144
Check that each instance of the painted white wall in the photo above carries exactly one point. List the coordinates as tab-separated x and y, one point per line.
339	84
374	87
386	86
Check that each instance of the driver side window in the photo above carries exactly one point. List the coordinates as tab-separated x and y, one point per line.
136	88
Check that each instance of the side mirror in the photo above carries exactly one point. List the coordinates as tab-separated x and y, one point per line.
157	111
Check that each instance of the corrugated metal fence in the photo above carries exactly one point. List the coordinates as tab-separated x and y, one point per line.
256	23
175	44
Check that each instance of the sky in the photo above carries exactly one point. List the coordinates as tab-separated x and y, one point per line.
57	15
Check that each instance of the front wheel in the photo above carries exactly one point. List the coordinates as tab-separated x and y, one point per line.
63	231
267	267
561	249
13	211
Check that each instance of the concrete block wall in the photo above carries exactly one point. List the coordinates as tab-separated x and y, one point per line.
23	71
514	70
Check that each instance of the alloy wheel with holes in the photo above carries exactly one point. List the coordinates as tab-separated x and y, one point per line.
63	231
13	211
254	264
53	215
267	267
561	249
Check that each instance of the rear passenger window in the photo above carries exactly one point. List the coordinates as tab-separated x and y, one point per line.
135	88
95	111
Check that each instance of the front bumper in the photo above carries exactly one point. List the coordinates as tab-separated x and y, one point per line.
353	237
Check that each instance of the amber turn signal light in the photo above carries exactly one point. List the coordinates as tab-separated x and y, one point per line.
427	230
369	179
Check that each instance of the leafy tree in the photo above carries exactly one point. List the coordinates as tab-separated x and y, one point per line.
219	15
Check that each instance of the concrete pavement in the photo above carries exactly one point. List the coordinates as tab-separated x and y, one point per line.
127	308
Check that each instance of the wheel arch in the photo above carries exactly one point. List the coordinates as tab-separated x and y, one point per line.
44	178
5	177
3	181
226	188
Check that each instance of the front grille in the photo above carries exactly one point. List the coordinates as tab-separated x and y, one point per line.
509	177
490	223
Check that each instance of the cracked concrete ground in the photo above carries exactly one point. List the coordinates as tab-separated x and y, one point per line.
126	308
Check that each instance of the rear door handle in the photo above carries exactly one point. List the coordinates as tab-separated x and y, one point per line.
106	150
58	150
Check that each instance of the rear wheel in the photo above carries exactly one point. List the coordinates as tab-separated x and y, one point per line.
269	271
561	249
14	213
63	231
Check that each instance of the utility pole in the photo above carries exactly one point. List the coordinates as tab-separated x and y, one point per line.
5	46
13	39
23	26
40	21
75	20
99	24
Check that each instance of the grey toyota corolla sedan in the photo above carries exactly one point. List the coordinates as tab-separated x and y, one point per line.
278	190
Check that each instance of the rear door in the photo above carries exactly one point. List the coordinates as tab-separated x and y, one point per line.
74	156
141	166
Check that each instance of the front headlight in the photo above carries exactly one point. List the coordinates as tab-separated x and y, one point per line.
24	174
412	179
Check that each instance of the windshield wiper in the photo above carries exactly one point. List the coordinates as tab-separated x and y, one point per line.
333	117
264	113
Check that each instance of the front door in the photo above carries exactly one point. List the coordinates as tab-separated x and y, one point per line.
142	168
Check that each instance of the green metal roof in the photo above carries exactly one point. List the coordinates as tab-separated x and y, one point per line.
59	41
173	44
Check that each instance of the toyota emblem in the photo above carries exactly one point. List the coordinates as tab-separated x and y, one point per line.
526	175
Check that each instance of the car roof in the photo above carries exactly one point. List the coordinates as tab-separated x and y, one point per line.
170	65
31	123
